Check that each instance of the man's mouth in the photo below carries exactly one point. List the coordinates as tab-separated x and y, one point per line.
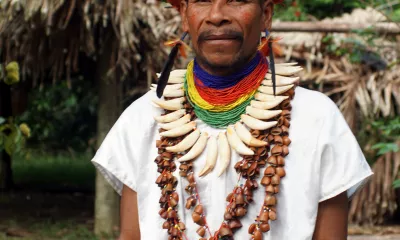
220	37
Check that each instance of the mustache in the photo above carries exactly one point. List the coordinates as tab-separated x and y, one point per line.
227	33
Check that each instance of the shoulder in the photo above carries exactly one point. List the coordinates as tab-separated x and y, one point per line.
140	113
313	104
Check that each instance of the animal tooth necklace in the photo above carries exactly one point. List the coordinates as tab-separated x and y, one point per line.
257	128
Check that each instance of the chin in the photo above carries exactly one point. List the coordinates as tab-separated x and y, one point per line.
220	60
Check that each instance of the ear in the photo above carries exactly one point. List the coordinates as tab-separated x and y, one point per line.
183	12
267	12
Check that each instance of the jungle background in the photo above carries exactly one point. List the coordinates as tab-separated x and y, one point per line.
69	68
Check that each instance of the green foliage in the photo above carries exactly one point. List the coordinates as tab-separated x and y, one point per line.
301	10
62	118
12	136
389	133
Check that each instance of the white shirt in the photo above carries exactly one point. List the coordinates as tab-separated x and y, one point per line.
324	160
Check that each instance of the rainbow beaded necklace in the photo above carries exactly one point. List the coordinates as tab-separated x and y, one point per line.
219	106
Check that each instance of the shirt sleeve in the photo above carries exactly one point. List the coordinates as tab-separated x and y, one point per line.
343	166
117	159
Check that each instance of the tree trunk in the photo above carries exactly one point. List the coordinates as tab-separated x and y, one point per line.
6	178
109	109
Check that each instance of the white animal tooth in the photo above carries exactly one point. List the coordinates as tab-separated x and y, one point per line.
179	131
279	90
176	123
269	98
186	143
262	114
236	143
287	70
174	93
212	155
265	105
286	64
170	86
175	79
174	104
224	151
280	81
170	117
246	136
197	148
257	124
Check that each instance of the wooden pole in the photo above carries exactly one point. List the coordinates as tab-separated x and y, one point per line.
388	28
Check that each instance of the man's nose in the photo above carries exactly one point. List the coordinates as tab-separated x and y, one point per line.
218	14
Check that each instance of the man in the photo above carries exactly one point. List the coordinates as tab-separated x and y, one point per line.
324	168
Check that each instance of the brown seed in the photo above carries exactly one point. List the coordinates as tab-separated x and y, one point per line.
241	211
238	166
233	224
164	215
285	130
270	138
264	217
199	209
286	123
276	131
183	167
276	189
190	178
280	172
276	150
201	231
159	179
285	114
285	150
249	184
281	121
264	227
270	189
174	232
190	202
196	217
227	216
286	140
182	226
166	225
280	161
182	173
265	181
166	164
248	192
275	180
252	228
258	235
167	156
239	199
278	140
249	198
172	202
175	196
255	184
286	104
269	171
225	231
270	200
272	160
172	214
272	215
252	169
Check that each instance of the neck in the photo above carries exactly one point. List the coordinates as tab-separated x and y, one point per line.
220	82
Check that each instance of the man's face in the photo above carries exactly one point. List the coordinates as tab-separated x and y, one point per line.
225	33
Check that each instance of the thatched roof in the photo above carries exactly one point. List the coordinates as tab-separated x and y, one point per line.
372	85
47	35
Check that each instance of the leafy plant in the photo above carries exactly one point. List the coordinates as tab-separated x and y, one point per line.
60	117
12	136
389	139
